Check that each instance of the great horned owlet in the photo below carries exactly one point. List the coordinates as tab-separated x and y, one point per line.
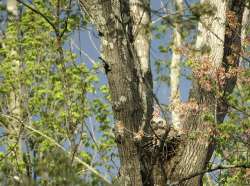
159	126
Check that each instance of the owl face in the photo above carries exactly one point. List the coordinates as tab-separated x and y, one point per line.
160	129
158	123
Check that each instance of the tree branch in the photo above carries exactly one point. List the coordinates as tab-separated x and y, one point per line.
41	14
219	167
67	18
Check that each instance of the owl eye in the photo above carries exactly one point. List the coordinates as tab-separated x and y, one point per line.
160	122
152	122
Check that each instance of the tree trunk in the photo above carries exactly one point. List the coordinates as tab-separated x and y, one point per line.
16	98
195	152
124	29
175	70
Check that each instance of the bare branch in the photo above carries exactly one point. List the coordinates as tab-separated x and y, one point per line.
219	167
72	42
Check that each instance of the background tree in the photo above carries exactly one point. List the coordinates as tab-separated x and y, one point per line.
44	88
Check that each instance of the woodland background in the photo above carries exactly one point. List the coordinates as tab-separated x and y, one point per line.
56	117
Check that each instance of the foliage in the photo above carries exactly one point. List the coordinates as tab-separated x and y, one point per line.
53	94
